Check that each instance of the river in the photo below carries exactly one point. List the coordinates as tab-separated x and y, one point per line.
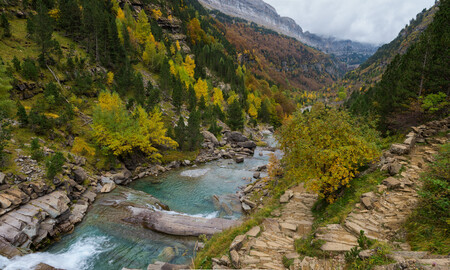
104	241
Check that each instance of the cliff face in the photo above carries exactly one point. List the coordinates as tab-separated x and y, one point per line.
264	14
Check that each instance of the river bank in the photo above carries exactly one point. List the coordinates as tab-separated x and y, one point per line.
217	203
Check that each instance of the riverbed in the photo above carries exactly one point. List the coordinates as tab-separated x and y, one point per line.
105	241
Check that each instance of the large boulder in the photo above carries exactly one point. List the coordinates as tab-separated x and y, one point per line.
235	137
210	137
121	177
180	225
247	144
399	149
79	174
108	187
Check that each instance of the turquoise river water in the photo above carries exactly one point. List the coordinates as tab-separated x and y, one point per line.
104	241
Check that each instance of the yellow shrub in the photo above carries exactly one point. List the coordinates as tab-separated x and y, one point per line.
81	147
325	148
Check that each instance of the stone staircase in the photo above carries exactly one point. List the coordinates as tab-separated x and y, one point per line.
265	246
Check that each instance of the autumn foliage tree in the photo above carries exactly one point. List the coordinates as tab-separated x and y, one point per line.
325	148
123	132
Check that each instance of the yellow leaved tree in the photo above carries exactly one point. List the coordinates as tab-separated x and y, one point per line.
218	97
123	132
143	29
201	88
325	148
189	65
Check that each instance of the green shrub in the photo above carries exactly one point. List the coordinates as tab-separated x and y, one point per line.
36	151
29	69
54	164
428	226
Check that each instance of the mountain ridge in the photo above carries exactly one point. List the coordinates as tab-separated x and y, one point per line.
264	14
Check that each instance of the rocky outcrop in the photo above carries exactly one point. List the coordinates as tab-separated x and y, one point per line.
46	216
181	225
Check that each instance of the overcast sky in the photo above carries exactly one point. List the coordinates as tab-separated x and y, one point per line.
373	21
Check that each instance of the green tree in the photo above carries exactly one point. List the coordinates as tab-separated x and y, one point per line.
193	130
4	23
22	115
180	133
70	17
235	116
6	104
192	99
54	164
41	29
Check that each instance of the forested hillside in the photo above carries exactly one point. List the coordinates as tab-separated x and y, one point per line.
279	58
115	79
415	86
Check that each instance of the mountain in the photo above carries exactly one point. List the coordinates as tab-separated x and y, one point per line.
415	85
279	58
371	71
350	52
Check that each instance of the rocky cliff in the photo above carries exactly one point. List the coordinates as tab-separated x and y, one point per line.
264	14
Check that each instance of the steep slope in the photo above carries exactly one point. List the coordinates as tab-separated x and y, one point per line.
371	71
279	58
416	85
264	14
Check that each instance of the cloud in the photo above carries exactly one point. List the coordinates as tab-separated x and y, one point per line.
372	21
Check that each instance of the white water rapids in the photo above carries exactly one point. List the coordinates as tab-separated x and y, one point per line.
77	257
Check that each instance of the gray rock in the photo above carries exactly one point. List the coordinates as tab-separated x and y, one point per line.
235	137
246	207
365	254
235	258
237	242
226	208
108	187
239	159
179	224
7	250
167	254
254	231
391	183
249	203
399	149
79	174
256	175
394	168
247	144
4	202
367	202
2	178
210	137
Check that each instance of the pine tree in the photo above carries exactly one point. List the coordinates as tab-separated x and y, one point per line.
4	23
177	94
235	116
70	19
153	96
264	113
180	133
193	130
41	29
192	99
